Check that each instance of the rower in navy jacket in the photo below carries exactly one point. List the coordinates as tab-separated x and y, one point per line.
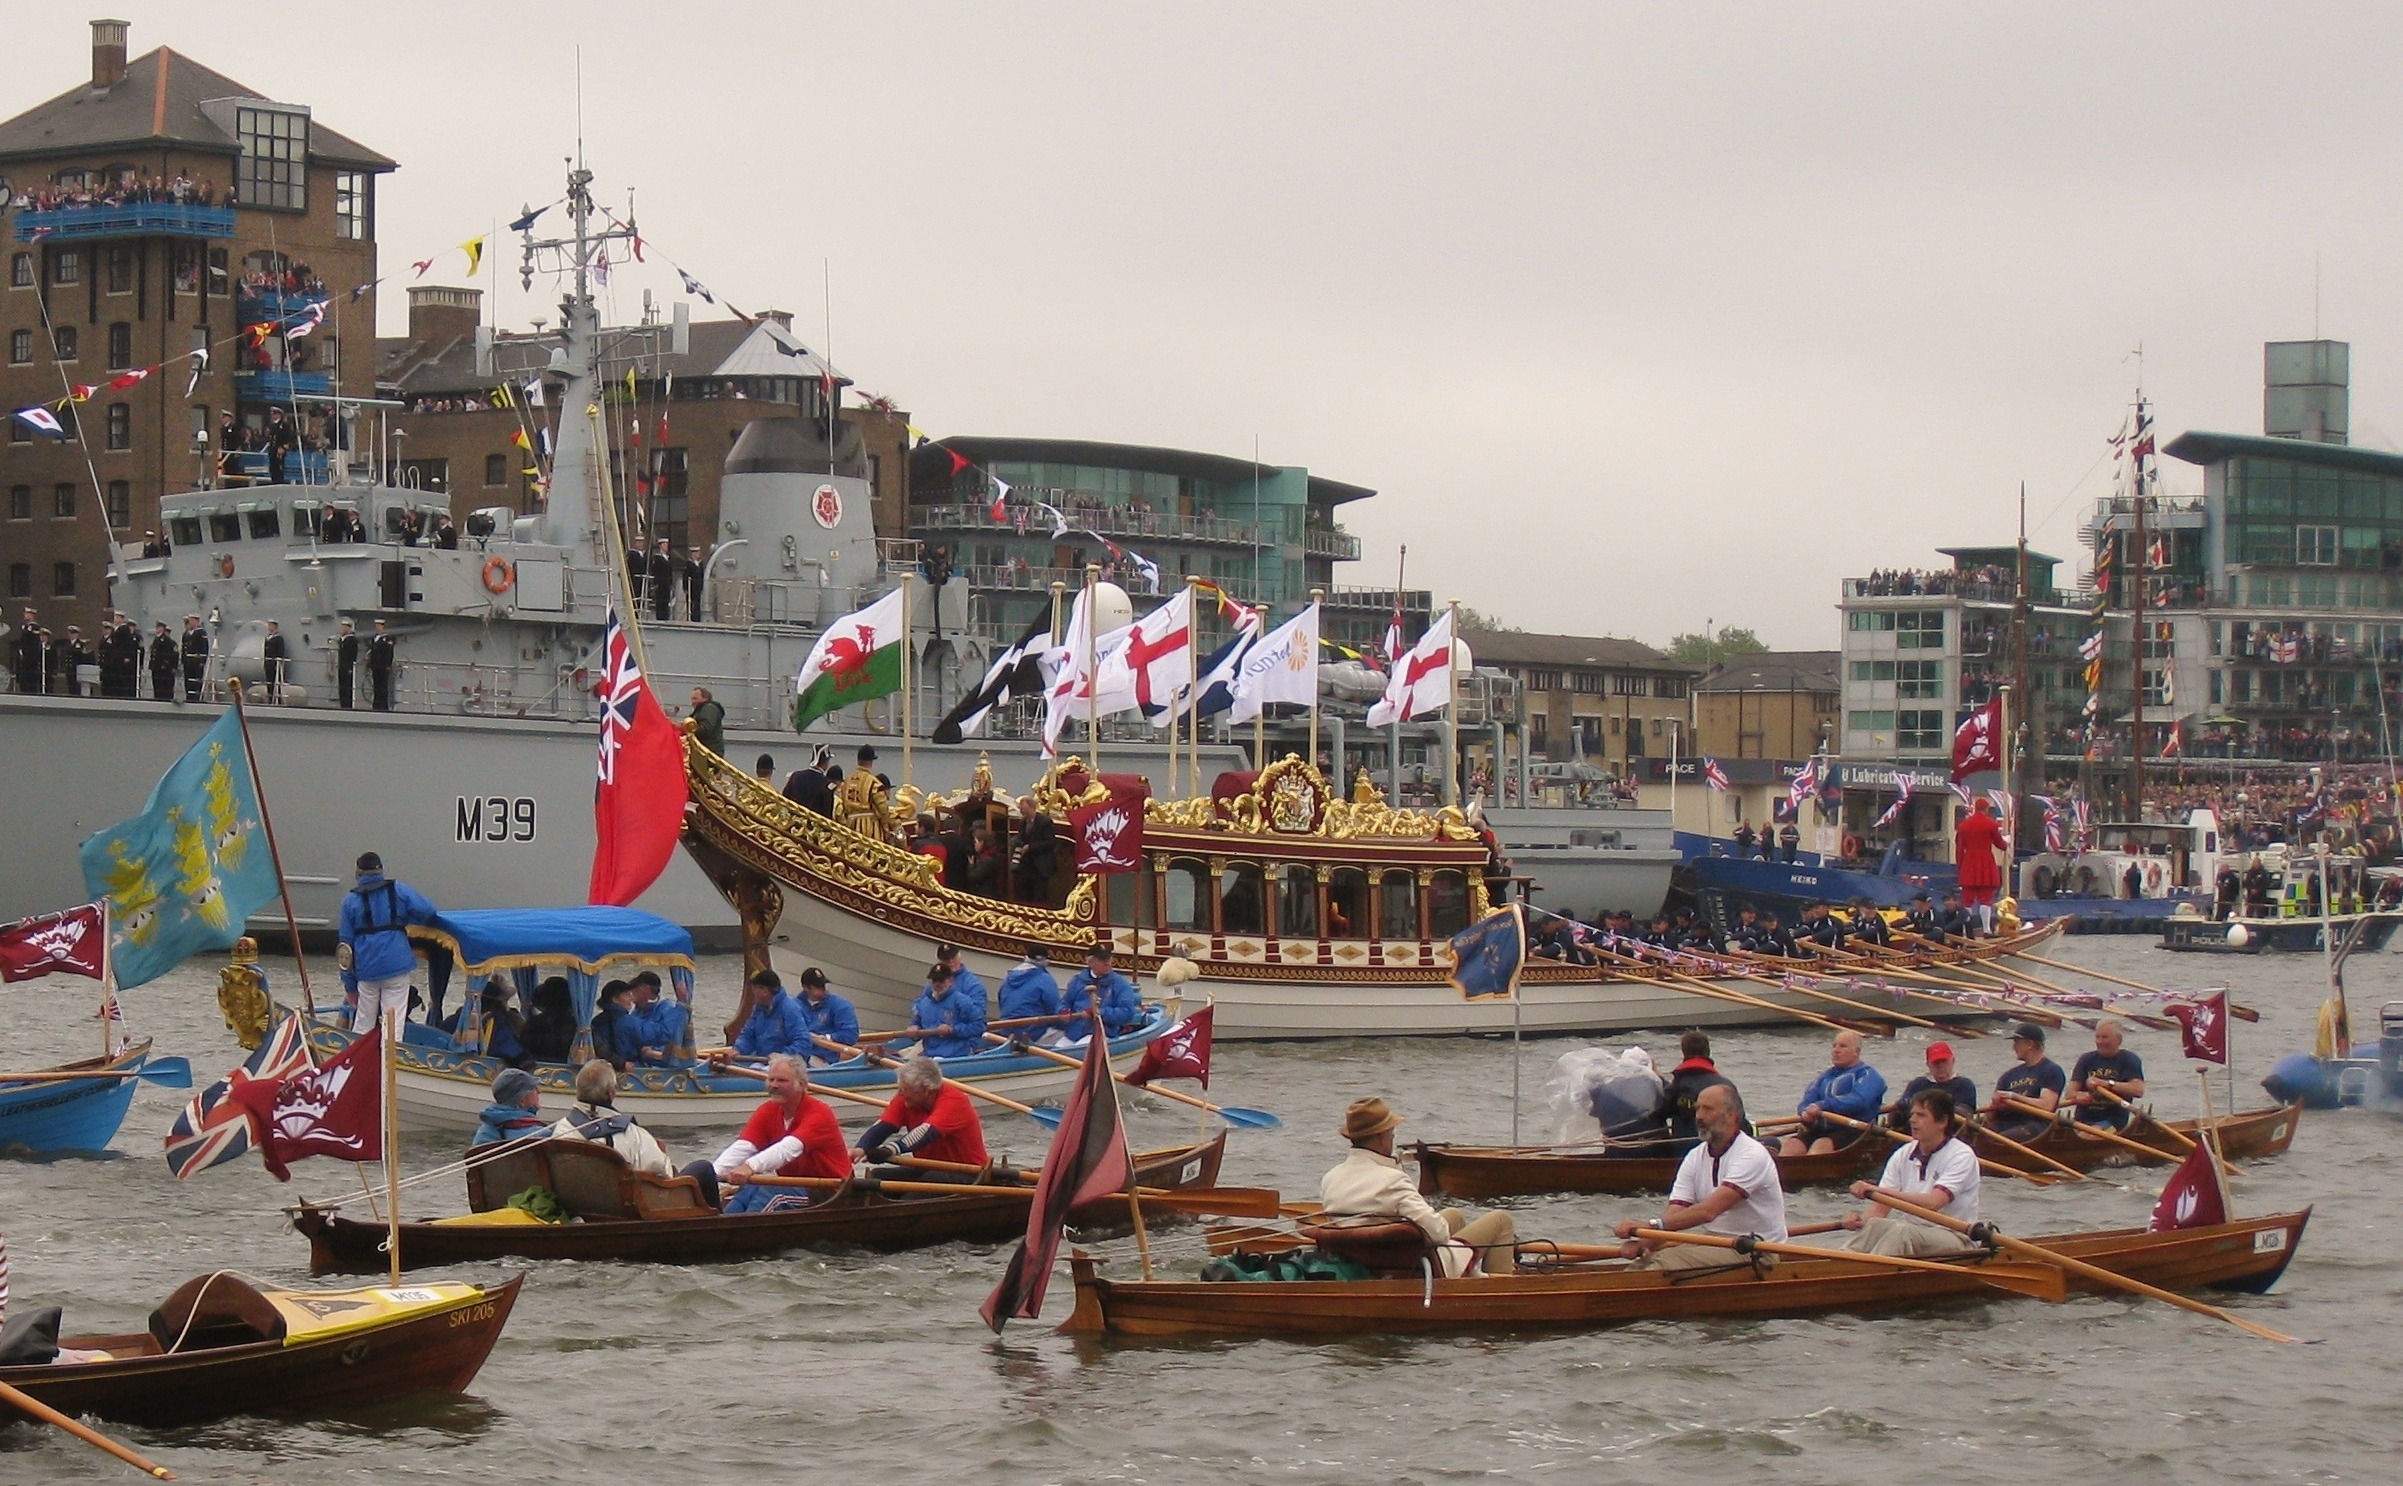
1121	1005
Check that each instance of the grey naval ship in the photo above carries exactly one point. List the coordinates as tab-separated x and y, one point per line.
478	784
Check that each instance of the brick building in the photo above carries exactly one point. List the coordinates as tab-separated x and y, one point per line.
1607	700
457	429
1778	704
157	208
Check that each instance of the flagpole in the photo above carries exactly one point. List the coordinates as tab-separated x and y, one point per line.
1317	594
2010	796
1192	691
275	855
1093	667
1393	730
392	1146
1451	713
906	644
108	986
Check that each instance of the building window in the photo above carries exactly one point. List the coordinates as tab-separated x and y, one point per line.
1872	619
329	355
63	342
120	346
67	267
120	269
120	426
1919	630
120	504
62	580
275	158
20	580
350	204
62	502
20	502
1919	731
496	470
20	346
2315	546
20	271
670	505
1919	680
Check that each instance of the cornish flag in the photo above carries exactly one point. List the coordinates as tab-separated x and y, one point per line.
1714	776
638	801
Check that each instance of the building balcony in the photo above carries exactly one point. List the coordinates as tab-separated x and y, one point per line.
281	386
1022	519
1944	583
256	305
139	219
1331	541
1354	597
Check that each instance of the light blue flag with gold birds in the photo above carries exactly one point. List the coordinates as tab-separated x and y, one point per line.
188	872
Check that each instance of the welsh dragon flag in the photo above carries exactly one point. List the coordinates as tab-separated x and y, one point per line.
857	660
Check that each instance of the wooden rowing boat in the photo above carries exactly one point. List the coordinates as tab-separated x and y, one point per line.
226	1344
2248	1136
619	1216
2246	1256
71	1115
1482	1173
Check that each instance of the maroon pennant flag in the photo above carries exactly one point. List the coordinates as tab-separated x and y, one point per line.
1183	1051
1087	1162
2203	1028
71	943
1109	833
2194	1197
335	1110
1977	743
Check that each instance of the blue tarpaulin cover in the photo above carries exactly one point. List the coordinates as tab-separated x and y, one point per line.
488	939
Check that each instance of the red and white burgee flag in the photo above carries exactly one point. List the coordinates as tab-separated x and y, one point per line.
638	802
1715	776
2194	1197
1183	1051
2203	1028
1421	681
1977	743
1109	832
1000	508
334	1110
132	378
2174	746
71	943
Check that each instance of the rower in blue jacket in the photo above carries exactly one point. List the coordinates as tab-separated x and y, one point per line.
1030	990
1121	1005
829	1016
944	1023
775	1024
1847	1087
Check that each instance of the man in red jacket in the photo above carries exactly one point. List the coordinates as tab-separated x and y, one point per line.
1978	850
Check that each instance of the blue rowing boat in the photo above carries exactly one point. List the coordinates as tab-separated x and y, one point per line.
61	1113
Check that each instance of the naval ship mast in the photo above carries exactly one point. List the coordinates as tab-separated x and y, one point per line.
574	461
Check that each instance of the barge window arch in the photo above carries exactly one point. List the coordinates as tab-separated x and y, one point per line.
1185	897
1347	904
1397	904
1242	896
1297	902
1447	903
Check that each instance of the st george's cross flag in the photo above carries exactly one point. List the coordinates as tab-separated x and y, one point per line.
1155	666
1183	1051
1977	743
2203	1028
638	800
857	660
215	1127
1421	681
71	943
2195	1197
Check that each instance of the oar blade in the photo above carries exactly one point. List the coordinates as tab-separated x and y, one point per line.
1249	1119
2040	1281
1046	1116
171	1073
1225	1202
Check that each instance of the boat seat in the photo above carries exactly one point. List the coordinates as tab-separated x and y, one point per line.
590	1181
1383	1245
215	1310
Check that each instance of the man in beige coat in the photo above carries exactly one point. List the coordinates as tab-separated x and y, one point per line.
1370	1183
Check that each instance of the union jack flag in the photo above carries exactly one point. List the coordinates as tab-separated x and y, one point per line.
2055	836
1902	802
1805	783
2082	813
1714	776
215	1128
621	685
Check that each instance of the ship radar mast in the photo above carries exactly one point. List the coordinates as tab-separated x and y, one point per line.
572	515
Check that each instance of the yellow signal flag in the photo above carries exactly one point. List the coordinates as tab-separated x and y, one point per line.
474	249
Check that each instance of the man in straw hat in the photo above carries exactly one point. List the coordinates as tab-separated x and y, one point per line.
1370	1183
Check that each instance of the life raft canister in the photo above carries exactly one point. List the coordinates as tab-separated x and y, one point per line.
2045	881
225	565
498	575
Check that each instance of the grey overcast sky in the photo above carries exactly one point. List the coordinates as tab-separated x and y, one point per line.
1637	317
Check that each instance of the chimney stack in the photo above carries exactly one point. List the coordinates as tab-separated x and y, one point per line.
439	313
108	54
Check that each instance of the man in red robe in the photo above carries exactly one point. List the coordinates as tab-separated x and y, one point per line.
1978	851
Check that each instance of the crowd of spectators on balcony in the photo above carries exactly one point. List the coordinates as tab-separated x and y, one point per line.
2296	645
296	279
126	190
1986	581
2296	743
462	403
2257	810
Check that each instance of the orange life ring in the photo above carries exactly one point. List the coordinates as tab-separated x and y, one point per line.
225	566
498	575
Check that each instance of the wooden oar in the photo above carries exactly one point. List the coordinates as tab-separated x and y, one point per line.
173	1073
1588	1253
884	1061
829	1090
1866	1009
2241	1013
1248	1119
2068	1171
1995	1168
2152	1154
2080	1267
2141	1018
34	1408
2184	1141
1018	1021
2039	1280
1239	1202
1720	993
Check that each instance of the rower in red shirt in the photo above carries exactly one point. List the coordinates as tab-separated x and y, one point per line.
791	1134
928	1118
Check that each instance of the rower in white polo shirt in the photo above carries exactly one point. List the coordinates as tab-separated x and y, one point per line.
1937	1171
1726	1186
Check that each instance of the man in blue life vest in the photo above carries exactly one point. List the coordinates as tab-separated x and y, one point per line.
1848	1087
829	1016
374	953
942	1022
1030	990
1100	984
